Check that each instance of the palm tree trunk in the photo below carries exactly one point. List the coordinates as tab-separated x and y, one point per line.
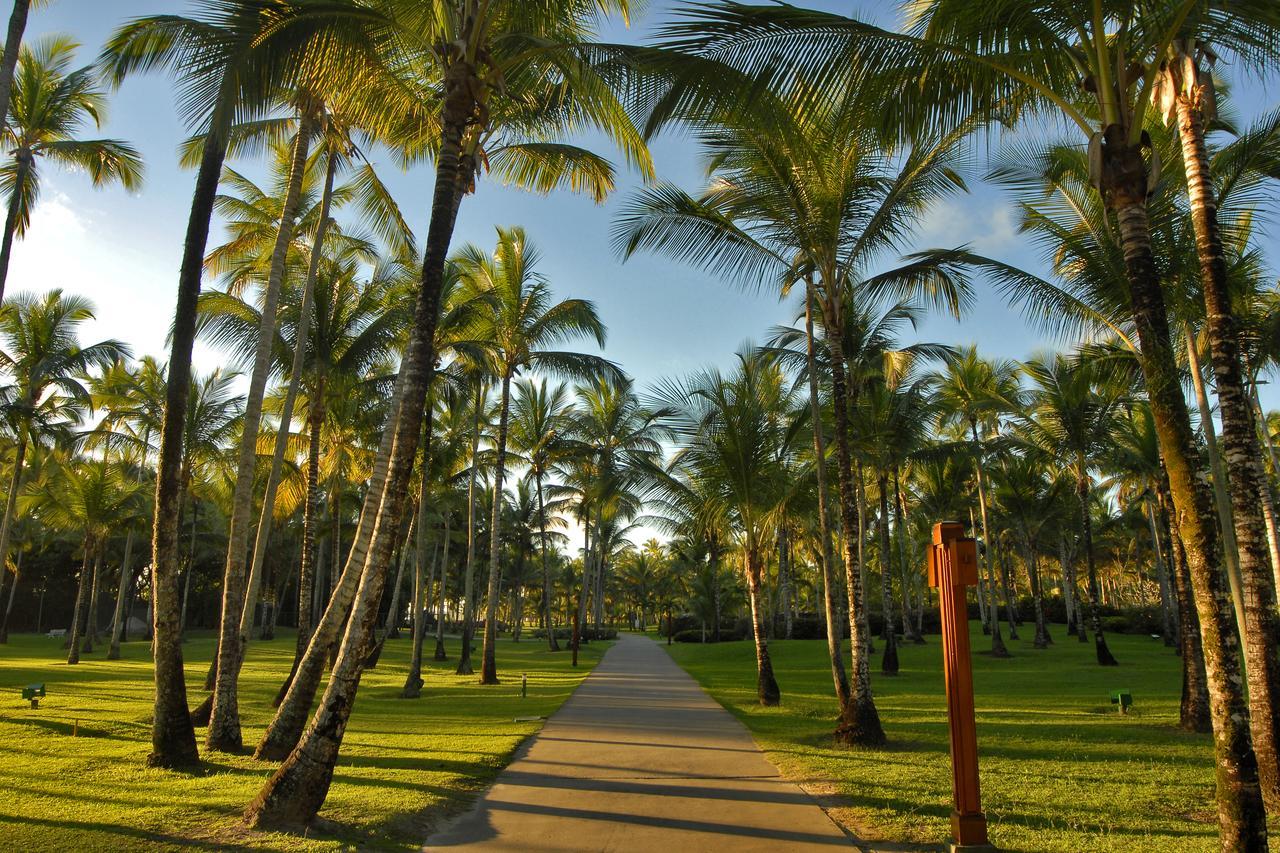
1221	486
861	551
391	627
1268	502
126	580
8	608
469	572
442	597
766	684
297	790
998	649
9	61
21	176
11	502
91	637
489	662
860	723
889	662
1006	589
224	719
900	529
73	656
547	609
580	613
1243	459
1159	549
1105	658
286	726
1042	638
413	681
834	631
1194	714
305	311
1241	815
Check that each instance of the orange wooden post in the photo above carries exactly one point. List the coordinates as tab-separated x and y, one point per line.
953	566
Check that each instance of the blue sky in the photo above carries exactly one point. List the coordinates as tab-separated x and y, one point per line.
122	250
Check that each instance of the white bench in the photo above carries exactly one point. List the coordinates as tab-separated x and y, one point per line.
57	633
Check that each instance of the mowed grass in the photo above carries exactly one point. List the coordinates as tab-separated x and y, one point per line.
1061	770
73	772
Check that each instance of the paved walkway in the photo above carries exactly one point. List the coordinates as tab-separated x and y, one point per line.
640	758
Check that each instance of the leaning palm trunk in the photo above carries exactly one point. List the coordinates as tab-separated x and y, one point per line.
838	676
889	661
126	580
766	684
21	176
860	721
1105	658
489	662
1243	456
298	789
9	61
286	413
390	628
173	739
286	726
224	720
1241	815
73	656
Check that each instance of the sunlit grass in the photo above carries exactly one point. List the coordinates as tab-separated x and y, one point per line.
404	763
1061	769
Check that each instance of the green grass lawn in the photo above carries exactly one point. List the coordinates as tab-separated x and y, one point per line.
405	764
1061	770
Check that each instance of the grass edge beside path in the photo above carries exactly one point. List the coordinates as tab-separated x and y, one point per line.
406	765
1061	770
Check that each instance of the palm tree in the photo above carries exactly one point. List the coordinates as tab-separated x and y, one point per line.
548	83
12	42
732	428
975	392
231	61
50	104
46	362
1028	496
538	424
1072	418
521	323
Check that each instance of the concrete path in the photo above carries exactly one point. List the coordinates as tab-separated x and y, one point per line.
640	758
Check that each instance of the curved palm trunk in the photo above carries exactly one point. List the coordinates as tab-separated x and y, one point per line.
766	684
860	723
298	789
998	648
489	662
1243	456
73	656
1105	658
838	676
889	661
286	726
469	571
126	580
547	601
224	719
172	734
9	61
1241	815
305	311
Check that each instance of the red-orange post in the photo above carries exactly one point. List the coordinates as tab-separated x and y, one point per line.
953	566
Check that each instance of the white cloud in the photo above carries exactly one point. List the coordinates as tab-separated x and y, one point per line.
988	228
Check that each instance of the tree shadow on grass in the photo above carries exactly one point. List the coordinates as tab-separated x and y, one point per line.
126	831
66	727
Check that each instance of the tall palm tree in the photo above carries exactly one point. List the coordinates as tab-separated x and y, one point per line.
495	73
12	43
731	428
520	325
538	425
42	354
50	104
231	62
958	59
